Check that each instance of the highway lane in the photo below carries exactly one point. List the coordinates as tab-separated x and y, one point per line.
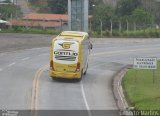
94	92
16	78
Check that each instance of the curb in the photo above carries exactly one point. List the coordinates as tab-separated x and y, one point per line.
118	90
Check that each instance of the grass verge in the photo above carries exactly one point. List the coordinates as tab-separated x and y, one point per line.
140	90
30	31
148	33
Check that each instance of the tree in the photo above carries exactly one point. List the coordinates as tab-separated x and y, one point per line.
141	16
61	6
92	4
58	6
7	1
33	1
126	7
7	10
103	14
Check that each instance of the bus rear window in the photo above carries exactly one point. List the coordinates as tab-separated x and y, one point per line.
65	52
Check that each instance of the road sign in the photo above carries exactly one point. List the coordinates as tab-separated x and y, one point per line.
145	63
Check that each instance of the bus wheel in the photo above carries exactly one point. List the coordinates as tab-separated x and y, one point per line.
86	70
54	78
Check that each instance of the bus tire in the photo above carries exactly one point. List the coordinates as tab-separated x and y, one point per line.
86	70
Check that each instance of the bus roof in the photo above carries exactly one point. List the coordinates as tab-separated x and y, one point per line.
73	33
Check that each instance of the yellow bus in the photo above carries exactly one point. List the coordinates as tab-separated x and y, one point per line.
69	55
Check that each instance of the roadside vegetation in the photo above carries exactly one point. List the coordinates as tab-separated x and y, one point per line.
148	33
9	11
129	18
30	30
142	92
58	6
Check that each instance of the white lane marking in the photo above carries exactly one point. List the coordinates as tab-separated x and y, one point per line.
85	100
1	69
25	58
43	54
36	48
11	64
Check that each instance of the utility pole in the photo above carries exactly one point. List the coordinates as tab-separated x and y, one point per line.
120	26
127	25
101	27
135	28
111	26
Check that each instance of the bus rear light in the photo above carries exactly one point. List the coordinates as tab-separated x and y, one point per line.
51	65
78	67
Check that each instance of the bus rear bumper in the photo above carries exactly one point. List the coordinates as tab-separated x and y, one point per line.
68	75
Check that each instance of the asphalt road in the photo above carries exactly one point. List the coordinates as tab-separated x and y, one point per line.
25	84
14	41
